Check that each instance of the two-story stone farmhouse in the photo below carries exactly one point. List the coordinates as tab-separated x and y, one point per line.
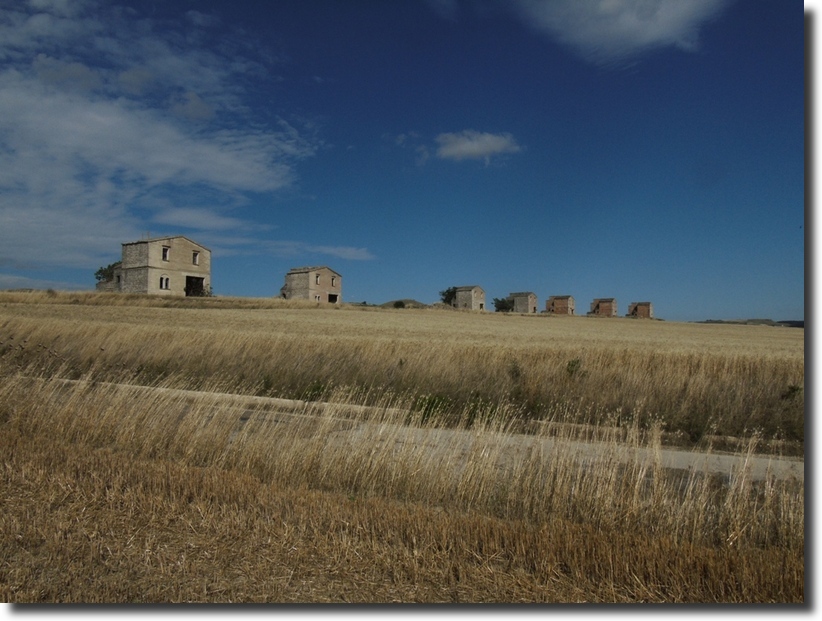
641	310
471	297
560	305
174	266
523	302
320	284
604	307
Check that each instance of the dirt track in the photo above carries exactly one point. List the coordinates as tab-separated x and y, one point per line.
503	446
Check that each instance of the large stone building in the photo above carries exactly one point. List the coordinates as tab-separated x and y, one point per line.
320	284
523	302
173	266
560	305
470	297
604	307
641	310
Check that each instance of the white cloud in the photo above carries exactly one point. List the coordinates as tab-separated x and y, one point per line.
613	31
471	144
201	218
294	248
191	106
135	81
342	252
83	236
69	76
101	113
111	137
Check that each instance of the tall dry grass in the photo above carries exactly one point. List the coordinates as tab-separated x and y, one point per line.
118	487
111	497
692	380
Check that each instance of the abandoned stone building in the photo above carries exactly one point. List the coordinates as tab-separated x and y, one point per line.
560	305
319	284
641	310
469	297
174	266
604	307
523	302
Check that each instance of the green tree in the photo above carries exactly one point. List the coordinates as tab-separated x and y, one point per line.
448	295
107	273
503	305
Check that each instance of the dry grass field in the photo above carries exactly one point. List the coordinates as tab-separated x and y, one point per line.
112	497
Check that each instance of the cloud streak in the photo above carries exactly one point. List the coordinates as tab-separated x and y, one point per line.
104	115
294	248
616	31
473	145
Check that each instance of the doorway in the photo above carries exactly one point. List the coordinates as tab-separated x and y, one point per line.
195	286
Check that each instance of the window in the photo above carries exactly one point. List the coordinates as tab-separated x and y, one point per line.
333	281
195	258
166	250
316	297
317	279
164	282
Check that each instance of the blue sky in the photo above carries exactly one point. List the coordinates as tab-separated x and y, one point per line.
643	150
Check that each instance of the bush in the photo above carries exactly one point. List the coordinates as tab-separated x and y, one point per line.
503	305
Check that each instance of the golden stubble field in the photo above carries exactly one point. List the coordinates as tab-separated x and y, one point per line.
110	497
697	380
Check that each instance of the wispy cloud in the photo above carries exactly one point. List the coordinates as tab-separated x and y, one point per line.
342	252
615	31
102	112
202	218
471	144
294	248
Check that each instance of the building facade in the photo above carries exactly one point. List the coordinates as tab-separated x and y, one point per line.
560	305
604	307
470	298
172	266
641	310
523	302
319	284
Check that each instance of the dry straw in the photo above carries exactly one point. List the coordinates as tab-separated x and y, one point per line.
694	380
143	463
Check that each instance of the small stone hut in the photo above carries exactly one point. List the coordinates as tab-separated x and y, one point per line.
560	305
319	284
604	307
523	302
470	297
641	310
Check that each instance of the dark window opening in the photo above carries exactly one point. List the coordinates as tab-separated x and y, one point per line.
332	298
